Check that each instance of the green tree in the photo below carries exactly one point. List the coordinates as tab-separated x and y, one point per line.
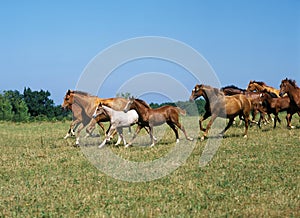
39	103
6	112
19	107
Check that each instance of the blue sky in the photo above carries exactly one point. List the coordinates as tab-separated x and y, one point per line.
47	44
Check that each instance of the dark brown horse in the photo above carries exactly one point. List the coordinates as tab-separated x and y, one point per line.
218	105
274	105
85	105
290	87
232	90
154	117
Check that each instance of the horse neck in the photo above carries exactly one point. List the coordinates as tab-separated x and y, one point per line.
108	110
86	102
292	91
259	87
140	109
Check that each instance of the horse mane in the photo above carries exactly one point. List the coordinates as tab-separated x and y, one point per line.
142	102
82	93
260	83
232	87
292	82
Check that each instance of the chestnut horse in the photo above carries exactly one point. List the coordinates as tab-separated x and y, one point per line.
253	96
261	86
274	105
85	106
219	105
154	117
290	87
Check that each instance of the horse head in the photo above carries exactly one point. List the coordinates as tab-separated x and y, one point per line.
285	85
129	104
197	92
99	110
251	87
68	100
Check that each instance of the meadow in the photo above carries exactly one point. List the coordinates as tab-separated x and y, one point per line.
44	175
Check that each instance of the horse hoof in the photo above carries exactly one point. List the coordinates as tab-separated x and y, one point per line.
190	139
202	138
152	145
101	145
128	145
177	140
245	136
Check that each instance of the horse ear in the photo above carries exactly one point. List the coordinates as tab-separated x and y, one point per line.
68	92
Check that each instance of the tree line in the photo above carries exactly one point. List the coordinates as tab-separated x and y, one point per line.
30	106
38	106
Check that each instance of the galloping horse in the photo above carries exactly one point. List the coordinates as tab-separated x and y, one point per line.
261	86
118	120
253	96
290	87
218	105
154	117
85	105
275	105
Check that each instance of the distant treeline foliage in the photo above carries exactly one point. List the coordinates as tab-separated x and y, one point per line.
191	108
29	106
37	106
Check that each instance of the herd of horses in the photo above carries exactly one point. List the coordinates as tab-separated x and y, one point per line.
228	102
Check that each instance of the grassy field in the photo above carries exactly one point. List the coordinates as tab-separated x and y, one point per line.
43	175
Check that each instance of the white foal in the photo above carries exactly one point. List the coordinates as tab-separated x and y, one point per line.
118	120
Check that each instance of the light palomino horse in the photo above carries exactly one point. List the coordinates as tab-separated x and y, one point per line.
260	87
118	120
77	113
218	105
154	117
86	105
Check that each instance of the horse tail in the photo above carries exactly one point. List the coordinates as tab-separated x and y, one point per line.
181	111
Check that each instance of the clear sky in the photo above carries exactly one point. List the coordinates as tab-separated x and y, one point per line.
47	44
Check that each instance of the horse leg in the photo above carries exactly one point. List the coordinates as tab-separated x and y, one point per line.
276	119
120	135
72	126
78	133
231	120
129	130
289	116
137	131
181	127
173	127
90	128
212	119
148	131
110	132
151	135
102	127
206	115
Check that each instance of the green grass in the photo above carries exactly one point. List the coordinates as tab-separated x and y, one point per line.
43	175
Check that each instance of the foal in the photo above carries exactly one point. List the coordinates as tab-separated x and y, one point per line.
118	120
155	117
